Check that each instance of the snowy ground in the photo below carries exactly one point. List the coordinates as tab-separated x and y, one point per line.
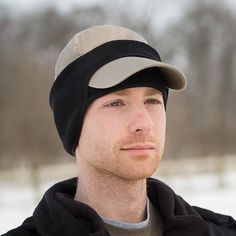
207	190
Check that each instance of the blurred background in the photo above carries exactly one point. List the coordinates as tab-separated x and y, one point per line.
197	36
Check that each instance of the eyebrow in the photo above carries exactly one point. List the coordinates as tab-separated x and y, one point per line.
152	91
148	92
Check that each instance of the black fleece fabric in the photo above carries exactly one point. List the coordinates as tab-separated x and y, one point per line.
59	215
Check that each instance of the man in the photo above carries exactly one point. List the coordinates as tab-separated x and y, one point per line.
109	101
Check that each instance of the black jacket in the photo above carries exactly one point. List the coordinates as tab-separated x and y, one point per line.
59	215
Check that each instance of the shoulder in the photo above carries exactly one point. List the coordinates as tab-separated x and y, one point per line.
218	224
176	211
26	229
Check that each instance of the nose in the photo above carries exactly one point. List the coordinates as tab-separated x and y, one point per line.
140	121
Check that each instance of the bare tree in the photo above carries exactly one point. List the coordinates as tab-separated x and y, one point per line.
203	43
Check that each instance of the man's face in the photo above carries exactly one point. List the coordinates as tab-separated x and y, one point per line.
123	133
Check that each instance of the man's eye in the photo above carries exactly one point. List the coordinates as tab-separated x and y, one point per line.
115	104
152	101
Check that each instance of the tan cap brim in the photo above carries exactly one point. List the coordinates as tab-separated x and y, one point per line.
120	69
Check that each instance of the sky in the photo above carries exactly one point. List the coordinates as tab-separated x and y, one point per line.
165	14
25	5
167	11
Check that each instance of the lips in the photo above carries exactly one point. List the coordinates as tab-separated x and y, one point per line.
138	147
139	150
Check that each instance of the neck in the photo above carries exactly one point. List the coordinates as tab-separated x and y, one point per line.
111	196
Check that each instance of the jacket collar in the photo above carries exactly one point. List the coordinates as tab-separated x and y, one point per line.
58	214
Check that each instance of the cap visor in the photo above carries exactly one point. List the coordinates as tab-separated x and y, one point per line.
120	69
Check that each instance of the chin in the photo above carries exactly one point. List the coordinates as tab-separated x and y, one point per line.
134	174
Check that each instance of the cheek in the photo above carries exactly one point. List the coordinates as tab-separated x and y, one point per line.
162	126
159	130
159	121
163	133
97	135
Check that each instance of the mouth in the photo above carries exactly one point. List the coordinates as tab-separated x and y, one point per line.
138	149
138	146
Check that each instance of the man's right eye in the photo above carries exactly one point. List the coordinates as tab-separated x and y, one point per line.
116	103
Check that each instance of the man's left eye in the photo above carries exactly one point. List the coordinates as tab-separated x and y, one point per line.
152	101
